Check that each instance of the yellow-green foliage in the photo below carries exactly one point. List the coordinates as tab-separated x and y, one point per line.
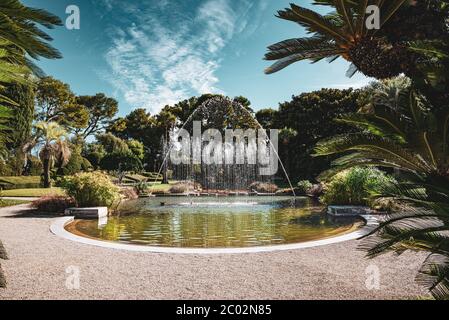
355	186
92	189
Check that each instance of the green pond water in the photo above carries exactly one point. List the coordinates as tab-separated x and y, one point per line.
215	222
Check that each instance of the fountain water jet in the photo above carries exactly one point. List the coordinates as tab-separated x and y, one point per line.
218	177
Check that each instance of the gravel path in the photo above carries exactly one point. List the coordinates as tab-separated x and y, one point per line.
39	259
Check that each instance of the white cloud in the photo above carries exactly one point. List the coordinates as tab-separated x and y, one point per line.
166	55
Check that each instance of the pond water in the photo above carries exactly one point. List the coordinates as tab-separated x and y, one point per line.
215	222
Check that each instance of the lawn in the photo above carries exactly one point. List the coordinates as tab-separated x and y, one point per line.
158	187
20	182
39	192
10	203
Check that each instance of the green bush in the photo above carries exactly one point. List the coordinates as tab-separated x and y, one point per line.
304	187
355	186
93	189
121	162
76	164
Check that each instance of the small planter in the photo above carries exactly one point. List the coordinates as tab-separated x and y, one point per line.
87	213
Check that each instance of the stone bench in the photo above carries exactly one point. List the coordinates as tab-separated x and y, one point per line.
87	213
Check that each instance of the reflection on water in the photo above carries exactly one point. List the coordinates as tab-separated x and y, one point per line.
206	223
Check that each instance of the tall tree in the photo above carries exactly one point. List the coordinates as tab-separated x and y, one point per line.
101	111
22	113
112	144
311	115
55	102
267	118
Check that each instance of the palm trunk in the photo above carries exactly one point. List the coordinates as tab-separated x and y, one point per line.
46	175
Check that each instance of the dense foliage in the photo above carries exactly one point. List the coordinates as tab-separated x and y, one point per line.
305	120
93	189
355	186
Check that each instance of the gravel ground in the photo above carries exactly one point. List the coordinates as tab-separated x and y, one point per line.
39	260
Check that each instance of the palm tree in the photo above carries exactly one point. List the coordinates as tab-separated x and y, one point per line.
19	37
402	131
343	33
19	26
421	225
51	138
410	136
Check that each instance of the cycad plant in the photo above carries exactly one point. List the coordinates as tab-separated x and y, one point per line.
422	224
343	33
408	134
412	136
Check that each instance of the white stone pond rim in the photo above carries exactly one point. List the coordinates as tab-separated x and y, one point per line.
58	228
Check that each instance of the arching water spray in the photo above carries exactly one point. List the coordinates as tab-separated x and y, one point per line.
220	100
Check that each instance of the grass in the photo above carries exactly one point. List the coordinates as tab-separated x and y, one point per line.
21	180
9	203
136	177
39	192
158	187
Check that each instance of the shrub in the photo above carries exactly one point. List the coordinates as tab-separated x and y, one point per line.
76	164
304	187
355	186
315	191
121	162
181	187
93	189
263	187
53	204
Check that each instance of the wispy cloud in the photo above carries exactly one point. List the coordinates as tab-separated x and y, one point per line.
168	52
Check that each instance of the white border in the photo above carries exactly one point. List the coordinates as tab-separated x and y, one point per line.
58	228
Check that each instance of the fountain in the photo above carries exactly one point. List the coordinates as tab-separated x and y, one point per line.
225	200
222	169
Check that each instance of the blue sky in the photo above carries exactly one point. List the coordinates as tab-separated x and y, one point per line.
156	52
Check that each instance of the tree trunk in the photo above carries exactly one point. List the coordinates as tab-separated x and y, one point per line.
165	159
46	175
165	174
